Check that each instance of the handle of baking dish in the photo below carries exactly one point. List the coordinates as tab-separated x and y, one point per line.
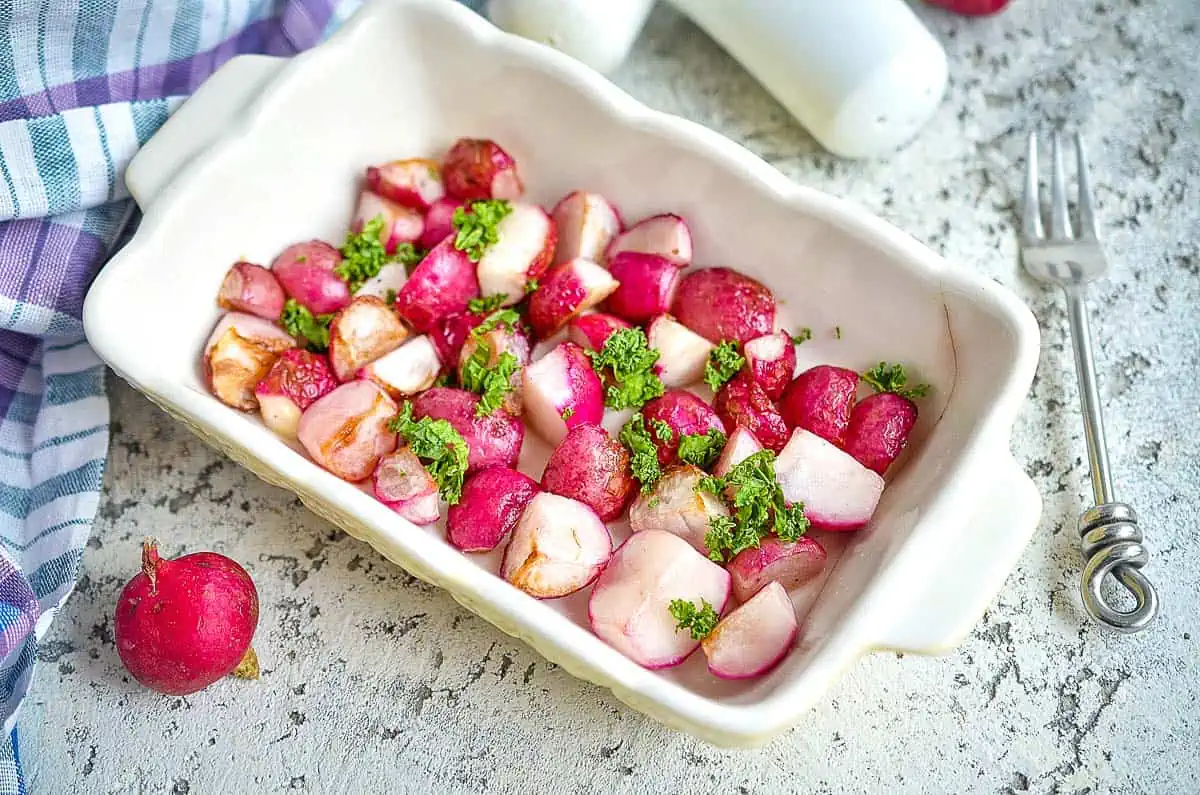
974	569
197	123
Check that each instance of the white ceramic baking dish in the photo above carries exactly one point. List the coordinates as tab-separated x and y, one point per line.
269	151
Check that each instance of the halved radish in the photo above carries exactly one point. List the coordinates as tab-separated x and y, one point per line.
493	500
491	439
838	492
771	361
415	183
789	563
558	546
879	428
385	284
666	235
403	484
586	224
477	168
522	252
400	224
629	604
238	354
441	285
740	446
685	414
753	639
592	467
251	289
592	330
743	403
567	291
361	333
722	304
562	391
346	431
439	222
499	341
296	380
678	506
648	284
820	400
450	333
408	370
682	351
306	272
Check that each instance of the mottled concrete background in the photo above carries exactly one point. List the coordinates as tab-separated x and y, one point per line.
371	677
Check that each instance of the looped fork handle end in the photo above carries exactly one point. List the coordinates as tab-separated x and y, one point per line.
1112	544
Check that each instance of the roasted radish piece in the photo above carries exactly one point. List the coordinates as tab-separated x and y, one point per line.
451	332
346	430
591	331
648	284
683	414
296	380
561	391
678	506
567	291
666	235
402	484
479	169
440	286
720	304
493	500
411	368
820	400
558	546
306	272
496	342
879	428
789	563
491	439
592	467
630	603
439	222
752	639
413	183
361	333
838	492
386	284
743	403
682	351
251	289
740	446
522	252
771	361
586	224
400	224
239	352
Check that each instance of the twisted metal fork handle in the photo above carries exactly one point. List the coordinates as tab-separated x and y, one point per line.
1112	544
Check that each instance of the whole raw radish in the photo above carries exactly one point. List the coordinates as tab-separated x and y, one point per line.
450	333
820	400
648	284
558	546
402	483
498	341
720	304
682	351
629	607
879	428
491	439
296	381
755	637
771	362
789	563
586	224
493	500
413	183
441	285
838	493
677	505
562	391
400	224
743	403
346	431
361	333
238	354
685	415
567	291
521	254
182	624
251	289
408	370
477	168
592	330
439	222
665	235
306	273
592	467
741	445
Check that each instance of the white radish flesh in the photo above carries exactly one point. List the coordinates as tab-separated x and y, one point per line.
346	431
789	563
558	546
592	330
361	333
586	224
677	506
400	224
753	639
252	289
403	484
682	352
411	368
567	291
665	235
414	183
561	390
838	492
741	445
523	252
238	354
771	361
386	283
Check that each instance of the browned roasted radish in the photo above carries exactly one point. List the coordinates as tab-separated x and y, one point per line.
665	235
479	169
408	370
722	304
558	546
682	352
567	291
790	563
346	431
522	252
771	361
586	224
400	224
251	289
402	483
361	333
678	506
441	285
238	354
752	639
296	380
415	183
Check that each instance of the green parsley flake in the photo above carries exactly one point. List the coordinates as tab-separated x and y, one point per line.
363	254
643	452
701	449
531	286
626	364
409	256
441	449
663	431
389	298
477	226
885	377
723	364
758	504
700	621
802	336
482	306
298	321
837	332
501	318
567	413
491	382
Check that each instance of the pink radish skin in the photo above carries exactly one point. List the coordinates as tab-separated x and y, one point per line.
296	380
839	494
522	253
182	624
791	564
820	400
586	224
592	467
400	224
686	415
238	354
491	440
501	340
742	403
402	483
740	446
666	235
755	637
879	428
361	333
440	286
493	500
720	304
771	362
591	331
251	289
479	169
305	272
678	507
408	370
346	431
567	291
558	546
451	332
628	607
439	222
562	391
682	352
648	284
413	183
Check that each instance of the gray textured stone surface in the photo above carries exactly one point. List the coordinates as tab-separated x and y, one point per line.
372	677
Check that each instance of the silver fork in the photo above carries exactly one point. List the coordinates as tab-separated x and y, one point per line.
1111	540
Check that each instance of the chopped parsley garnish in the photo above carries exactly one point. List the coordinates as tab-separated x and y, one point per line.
837	332
506	318
441	449
700	621
567	413
802	336
643	452
409	256
476	226
626	363
701	449
756	498
363	254
531	286
445	379
491	383
885	377
491	303
389	297
663	431
298	321
723	364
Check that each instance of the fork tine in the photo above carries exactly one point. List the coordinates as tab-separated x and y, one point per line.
1031	212
1087	217
1060	222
